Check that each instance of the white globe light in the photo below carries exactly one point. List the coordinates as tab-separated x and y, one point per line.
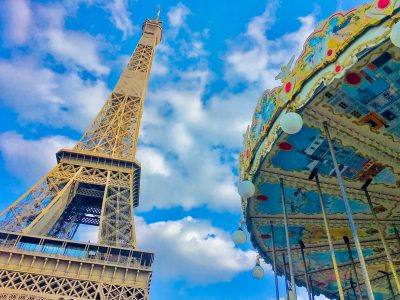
246	189
239	237
395	34
291	123
258	272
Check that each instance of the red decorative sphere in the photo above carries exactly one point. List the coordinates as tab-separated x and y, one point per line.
265	236
288	87
338	68
329	52
382	4
353	78
262	198
285	146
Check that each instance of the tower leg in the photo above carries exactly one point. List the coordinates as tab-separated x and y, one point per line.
39	208
116	222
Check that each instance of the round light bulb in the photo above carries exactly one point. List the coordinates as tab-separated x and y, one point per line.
258	272
291	123
239	237
395	34
246	189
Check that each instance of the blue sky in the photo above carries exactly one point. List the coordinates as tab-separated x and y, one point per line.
59	60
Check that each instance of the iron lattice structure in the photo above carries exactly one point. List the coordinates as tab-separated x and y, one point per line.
95	183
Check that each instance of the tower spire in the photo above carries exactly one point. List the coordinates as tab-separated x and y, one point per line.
115	130
158	13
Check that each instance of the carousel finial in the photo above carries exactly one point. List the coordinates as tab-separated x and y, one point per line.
285	69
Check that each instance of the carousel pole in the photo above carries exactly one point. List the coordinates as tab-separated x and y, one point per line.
381	234
353	264
312	292
285	275
349	215
274	260
314	174
389	283
353	287
302	246
292	282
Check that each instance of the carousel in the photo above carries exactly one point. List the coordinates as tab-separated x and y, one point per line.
320	169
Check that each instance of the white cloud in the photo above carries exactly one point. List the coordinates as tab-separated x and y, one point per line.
18	18
177	15
189	135
121	17
76	48
38	93
303	295
34	157
179	245
258	26
43	96
119	12
194	48
153	162
256	59
43	26
195	180
72	48
159	67
182	246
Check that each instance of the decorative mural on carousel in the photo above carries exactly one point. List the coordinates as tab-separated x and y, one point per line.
349	76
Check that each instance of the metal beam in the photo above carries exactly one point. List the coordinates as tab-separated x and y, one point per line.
338	246
318	218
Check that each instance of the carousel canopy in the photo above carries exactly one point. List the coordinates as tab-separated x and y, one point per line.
347	77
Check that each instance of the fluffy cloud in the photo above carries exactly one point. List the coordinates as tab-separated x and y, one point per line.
177	15
303	295
179	245
189	135
121	17
72	48
17	18
43	26
154	161
34	157
254	58
38	93
48	97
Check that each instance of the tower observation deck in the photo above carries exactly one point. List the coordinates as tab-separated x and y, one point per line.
95	183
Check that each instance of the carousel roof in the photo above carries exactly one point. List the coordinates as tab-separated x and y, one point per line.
348	75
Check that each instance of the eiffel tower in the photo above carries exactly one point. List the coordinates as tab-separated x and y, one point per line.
95	183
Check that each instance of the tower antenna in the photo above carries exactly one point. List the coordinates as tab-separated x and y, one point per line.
158	12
